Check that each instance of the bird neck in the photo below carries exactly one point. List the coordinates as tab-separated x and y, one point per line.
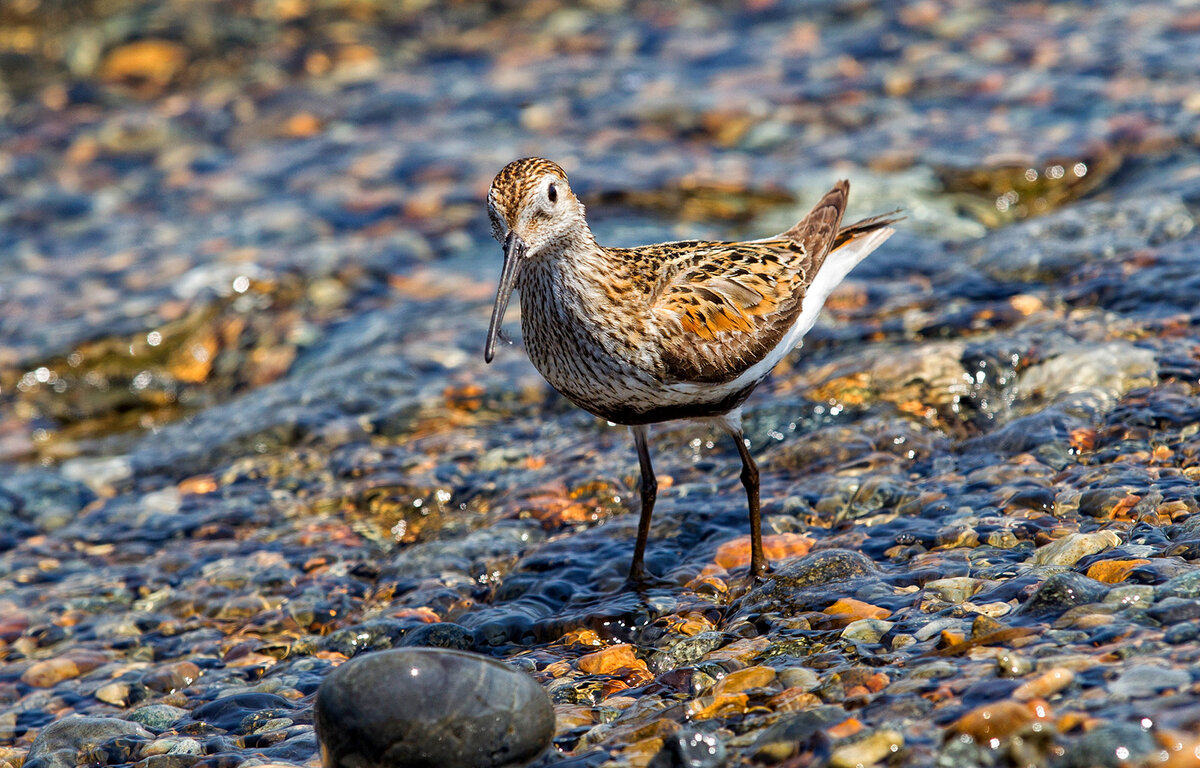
576	275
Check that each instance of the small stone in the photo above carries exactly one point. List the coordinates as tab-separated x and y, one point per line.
57	745
788	587
936	627
151	62
690	747
1012	664
1112	745
1174	610
799	677
1070	548
50	672
723	705
1062	591
954	590
745	680
1182	633
857	609
1114	571
868	748
776	547
442	634
186	747
116	693
1185	585
1141	681
1130	595
610	660
169	678
866	631
1000	719
794	733
982	626
824	567
157	717
430	706
1044	685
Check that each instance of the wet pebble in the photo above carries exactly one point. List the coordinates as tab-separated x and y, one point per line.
416	707
690	747
1110	745
868	748
795	733
791	585
1072	547
230	712
47	500
58	744
1145	680
157	717
1185	585
1174	610
866	630
1182	633
1062	591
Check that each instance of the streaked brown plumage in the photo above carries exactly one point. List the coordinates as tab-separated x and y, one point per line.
676	330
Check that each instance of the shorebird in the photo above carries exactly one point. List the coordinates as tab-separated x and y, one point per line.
680	330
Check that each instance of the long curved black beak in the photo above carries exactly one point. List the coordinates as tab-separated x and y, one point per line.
514	256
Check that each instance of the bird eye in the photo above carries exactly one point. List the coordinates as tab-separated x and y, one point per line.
552	193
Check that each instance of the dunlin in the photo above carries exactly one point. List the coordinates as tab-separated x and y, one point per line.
682	330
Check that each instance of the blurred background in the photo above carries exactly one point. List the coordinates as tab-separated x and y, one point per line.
192	193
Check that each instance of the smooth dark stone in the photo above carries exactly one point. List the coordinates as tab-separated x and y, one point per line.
440	635
824	567
228	713
46	500
1182	633
1062	591
426	707
796	733
57	745
690	747
377	635
1174	610
1111	744
1186	585
688	650
791	585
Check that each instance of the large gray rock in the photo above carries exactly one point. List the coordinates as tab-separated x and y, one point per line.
431	706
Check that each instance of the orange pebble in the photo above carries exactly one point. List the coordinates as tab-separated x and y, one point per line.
857	609
779	546
609	660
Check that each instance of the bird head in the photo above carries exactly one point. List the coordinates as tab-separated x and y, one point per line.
534	215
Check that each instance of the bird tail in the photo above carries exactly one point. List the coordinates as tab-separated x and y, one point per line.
865	226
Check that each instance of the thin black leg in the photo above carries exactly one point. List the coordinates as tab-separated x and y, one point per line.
758	563
649	489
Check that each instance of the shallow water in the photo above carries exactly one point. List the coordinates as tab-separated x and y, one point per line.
247	431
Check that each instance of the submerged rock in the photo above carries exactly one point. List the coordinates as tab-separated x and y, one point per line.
691	747
1062	591
60	742
427	706
791	584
